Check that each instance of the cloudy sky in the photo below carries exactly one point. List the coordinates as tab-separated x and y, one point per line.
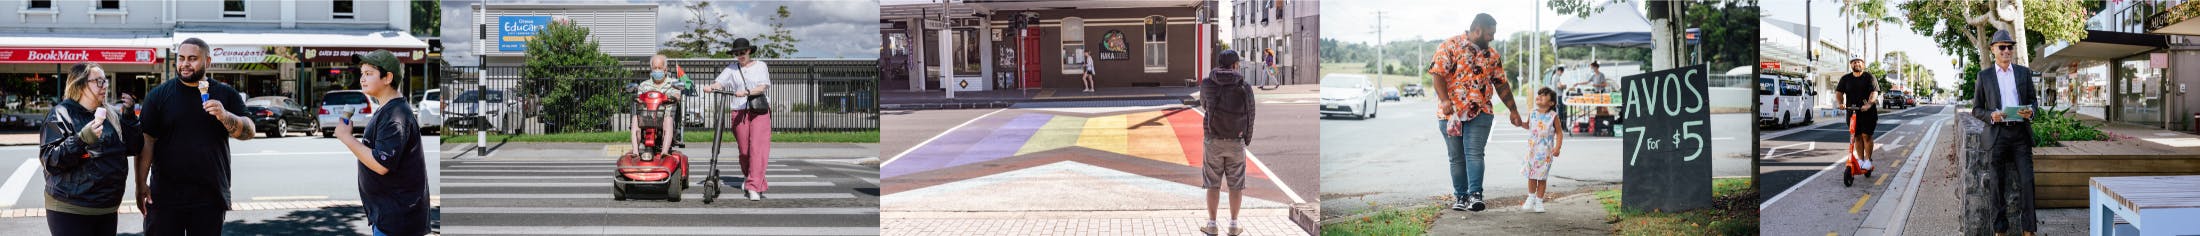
1354	21
828	29
1826	15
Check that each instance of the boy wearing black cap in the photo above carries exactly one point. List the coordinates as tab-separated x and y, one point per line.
1229	123
392	177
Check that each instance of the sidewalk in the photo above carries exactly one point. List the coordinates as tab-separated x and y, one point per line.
1572	214
698	151
1171	222
253	218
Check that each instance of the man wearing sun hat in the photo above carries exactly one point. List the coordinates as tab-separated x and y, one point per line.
2005	102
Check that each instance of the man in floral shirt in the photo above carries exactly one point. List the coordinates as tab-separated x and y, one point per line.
1468	73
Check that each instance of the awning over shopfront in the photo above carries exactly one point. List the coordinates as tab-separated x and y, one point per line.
104	48
312	46
2099	45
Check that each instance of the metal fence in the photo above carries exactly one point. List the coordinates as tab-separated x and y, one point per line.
806	95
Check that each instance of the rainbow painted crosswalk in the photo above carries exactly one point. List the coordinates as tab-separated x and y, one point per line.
1170	136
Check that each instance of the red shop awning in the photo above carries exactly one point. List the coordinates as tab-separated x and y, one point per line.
20	55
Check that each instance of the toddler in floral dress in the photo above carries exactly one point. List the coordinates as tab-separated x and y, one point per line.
1544	141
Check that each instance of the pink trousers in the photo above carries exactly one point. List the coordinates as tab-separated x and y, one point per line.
753	133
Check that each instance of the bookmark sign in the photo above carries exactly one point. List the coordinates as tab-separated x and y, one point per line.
1666	140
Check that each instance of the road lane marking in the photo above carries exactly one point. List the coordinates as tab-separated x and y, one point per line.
659	230
604	170
1829	168
661	211
13	190
1808	146
943	133
1860	203
589	177
544	185
767	195
1265	170
287	153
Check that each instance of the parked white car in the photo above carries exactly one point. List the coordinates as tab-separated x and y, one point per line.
1784	101
333	106
462	111
1349	94
430	111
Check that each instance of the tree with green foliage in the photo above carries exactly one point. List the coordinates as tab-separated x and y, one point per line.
570	77
427	19
706	36
779	43
1966	28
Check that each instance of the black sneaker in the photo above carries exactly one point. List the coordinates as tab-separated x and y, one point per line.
1459	205
1474	202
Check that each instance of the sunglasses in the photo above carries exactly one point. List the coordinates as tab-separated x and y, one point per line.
2005	47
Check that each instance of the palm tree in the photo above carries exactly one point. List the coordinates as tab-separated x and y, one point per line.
1874	14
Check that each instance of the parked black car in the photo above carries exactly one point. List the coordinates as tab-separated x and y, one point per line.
1895	99
274	115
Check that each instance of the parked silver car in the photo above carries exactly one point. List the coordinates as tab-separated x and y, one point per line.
333	106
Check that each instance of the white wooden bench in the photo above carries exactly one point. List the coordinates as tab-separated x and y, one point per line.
2153	205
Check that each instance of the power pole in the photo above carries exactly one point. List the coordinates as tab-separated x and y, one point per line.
1380	67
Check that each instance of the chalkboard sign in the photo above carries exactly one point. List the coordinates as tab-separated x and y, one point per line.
1666	137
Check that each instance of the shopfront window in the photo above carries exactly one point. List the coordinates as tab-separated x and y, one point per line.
1073	46
2141	91
968	60
1156	54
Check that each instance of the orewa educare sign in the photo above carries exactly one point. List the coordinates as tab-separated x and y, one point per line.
514	31
1666	140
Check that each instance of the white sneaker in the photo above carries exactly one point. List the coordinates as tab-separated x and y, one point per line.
1526	203
755	196
1538	205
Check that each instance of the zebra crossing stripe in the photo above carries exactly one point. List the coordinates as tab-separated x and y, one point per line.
608	195
594	184
660	210
656	230
606	170
596	165
468	177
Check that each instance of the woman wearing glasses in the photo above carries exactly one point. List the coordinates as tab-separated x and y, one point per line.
84	150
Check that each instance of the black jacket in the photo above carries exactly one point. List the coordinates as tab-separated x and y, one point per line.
1229	103
87	175
1987	95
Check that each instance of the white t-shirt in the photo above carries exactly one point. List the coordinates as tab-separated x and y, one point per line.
745	77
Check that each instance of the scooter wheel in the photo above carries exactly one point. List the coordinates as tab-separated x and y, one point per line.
1848	180
618	194
672	190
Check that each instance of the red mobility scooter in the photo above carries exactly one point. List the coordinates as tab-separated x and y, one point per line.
655	167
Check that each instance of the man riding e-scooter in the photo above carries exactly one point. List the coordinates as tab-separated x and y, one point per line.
1858	92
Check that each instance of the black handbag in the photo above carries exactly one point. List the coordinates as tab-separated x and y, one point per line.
757	102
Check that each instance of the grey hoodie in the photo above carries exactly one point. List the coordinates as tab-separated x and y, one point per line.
1229	104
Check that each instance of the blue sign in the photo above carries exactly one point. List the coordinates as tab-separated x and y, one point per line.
514	31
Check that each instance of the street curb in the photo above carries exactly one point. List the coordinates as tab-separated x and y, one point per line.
240	206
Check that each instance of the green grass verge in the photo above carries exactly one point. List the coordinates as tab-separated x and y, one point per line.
1733	212
691	137
1388	221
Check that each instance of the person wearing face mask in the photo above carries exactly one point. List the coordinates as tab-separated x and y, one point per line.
662	82
187	123
84	153
393	179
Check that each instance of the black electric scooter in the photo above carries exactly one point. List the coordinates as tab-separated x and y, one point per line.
712	183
